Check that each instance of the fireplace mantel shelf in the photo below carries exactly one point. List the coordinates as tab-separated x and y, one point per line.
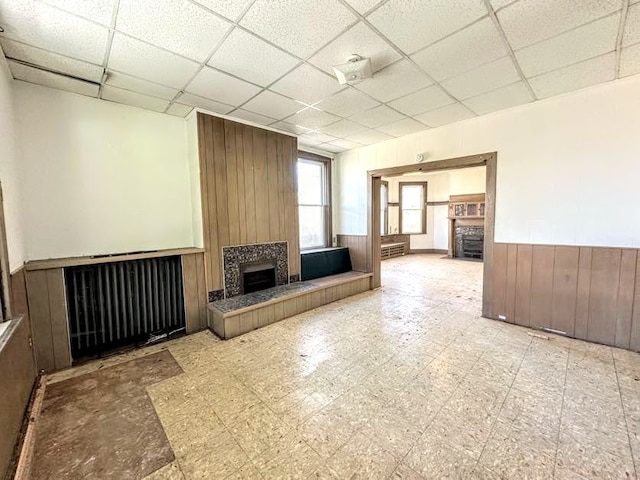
466	218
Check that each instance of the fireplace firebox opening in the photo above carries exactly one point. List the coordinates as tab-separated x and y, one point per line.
257	276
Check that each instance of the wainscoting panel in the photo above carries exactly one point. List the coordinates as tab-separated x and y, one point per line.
590	293
357	245
248	188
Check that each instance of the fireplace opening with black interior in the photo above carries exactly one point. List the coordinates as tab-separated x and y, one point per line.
257	276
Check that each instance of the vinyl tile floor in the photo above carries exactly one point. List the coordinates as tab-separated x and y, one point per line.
406	382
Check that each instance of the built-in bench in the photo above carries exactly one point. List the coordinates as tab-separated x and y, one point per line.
323	262
237	315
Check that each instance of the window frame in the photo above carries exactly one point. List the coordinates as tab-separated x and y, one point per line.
327	217
424	207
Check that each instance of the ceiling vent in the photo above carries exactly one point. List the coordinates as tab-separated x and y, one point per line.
354	71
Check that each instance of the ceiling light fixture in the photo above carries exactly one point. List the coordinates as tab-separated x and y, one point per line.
354	71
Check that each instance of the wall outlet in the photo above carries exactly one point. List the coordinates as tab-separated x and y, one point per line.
502	317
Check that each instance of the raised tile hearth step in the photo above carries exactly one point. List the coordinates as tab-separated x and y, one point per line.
237	315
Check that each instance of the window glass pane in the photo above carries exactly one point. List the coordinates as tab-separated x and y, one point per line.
310	183
311	226
412	196
411	221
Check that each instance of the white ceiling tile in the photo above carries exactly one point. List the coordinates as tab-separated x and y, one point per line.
289	127
176	25
343	128
251	117
580	75
51	61
231	9
100	11
482	79
412	25
346	144
273	105
529	21
505	97
630	60
330	147
395	81
422	101
442	116
368	137
221	87
179	110
47	27
363	6
315	138
48	79
307	84
469	48
127	82
299	26
496	4
361	40
150	63
380	115
126	97
312	118
347	102
632	26
252	59
204	103
584	42
403	127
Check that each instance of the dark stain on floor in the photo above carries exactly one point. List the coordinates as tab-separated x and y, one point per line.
103	425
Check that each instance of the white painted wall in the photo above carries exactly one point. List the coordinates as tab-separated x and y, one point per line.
439	187
568	167
100	177
9	173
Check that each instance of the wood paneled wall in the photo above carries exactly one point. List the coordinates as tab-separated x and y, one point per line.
591	293
195	292
249	190
357	245
17	376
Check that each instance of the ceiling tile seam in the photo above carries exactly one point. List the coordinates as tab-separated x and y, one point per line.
374	8
510	53
303	61
67	12
623	21
215	48
405	56
107	53
547	72
466	99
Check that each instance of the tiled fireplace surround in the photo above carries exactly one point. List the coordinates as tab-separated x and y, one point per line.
234	257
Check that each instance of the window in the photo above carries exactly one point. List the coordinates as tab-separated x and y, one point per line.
384	208
413	210
313	200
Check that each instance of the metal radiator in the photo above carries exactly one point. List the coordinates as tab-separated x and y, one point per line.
111	305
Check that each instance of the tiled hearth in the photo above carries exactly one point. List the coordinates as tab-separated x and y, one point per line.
236	256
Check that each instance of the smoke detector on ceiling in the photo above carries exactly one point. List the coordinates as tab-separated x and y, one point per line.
354	71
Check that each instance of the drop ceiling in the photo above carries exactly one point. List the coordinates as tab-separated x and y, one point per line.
269	61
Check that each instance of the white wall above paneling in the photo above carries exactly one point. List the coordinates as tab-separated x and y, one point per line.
567	167
100	177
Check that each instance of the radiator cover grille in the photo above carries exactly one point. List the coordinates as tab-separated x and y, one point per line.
111	305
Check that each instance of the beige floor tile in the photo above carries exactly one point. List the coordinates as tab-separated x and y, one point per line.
168	472
592	462
326	432
256	428
288	458
362	457
403	472
216	457
433	457
246	472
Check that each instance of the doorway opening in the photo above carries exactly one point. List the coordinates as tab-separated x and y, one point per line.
419	209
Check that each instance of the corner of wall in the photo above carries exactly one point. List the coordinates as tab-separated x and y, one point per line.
194	175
